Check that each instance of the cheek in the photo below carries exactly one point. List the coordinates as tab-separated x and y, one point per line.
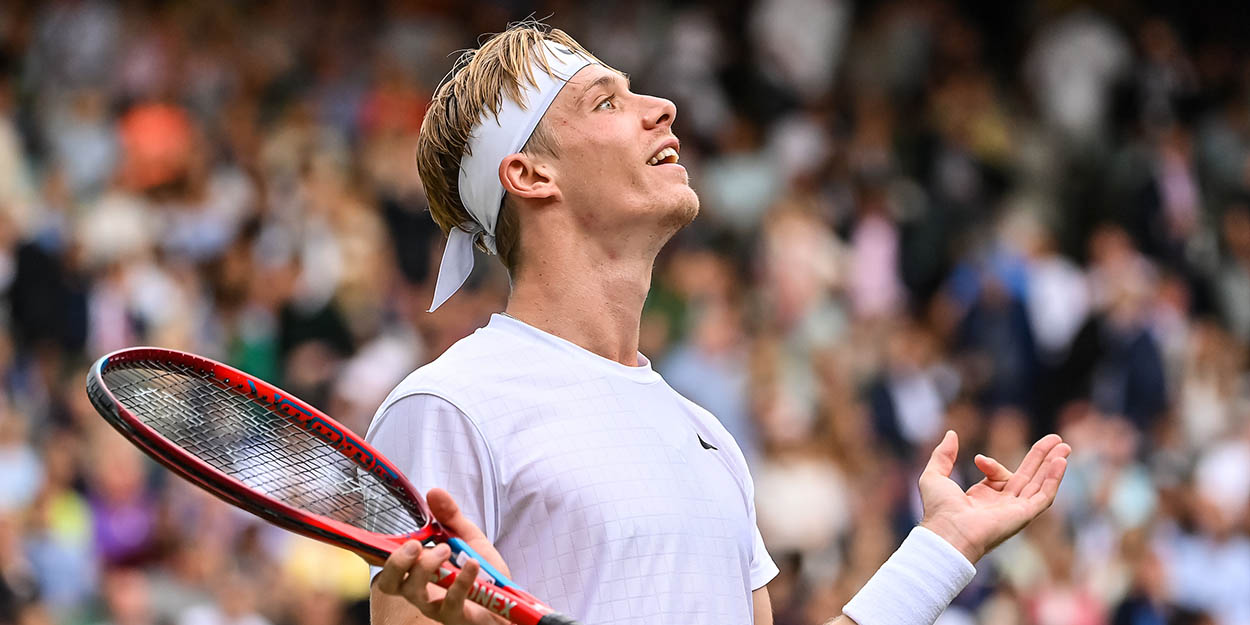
598	167
598	161
607	143
587	155
590	174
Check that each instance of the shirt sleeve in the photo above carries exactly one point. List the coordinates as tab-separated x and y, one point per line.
762	569
435	444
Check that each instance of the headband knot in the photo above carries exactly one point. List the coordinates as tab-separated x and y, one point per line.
488	239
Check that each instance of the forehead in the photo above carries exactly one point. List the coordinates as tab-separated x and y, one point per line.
586	82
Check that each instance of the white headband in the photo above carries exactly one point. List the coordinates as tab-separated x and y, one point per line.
493	139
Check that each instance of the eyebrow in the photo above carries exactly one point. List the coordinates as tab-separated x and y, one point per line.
606	81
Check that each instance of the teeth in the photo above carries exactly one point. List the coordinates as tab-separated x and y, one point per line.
666	155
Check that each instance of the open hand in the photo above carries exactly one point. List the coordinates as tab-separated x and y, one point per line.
995	508
409	571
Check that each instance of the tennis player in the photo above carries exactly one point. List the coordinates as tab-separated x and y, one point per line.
605	492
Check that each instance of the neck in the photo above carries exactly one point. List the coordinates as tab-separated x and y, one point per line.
585	295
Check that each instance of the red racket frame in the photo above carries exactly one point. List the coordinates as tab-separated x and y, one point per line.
524	609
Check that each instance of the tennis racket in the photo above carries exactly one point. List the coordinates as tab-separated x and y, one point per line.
262	450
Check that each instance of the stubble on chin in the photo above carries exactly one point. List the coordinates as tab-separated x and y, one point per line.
681	213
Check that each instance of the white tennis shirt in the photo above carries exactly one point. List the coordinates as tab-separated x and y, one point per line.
589	477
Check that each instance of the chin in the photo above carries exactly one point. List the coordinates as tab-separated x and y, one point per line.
682	210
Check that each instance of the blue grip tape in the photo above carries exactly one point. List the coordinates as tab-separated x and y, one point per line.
461	550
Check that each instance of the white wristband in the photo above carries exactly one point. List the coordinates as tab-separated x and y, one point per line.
915	585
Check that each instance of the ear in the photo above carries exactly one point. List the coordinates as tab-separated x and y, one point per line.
525	177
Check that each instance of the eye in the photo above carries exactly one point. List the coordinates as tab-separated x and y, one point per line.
607	103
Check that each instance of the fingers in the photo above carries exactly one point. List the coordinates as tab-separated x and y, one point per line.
1058	452
1031	463
397	566
1050	485
411	571
996	475
452	604
416	587
448	514
942	461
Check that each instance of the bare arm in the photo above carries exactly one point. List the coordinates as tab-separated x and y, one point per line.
973	522
763	606
764	611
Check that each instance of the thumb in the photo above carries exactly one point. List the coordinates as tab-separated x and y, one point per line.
448	514
942	461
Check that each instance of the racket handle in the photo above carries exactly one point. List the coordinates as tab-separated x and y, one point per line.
555	618
504	602
461	551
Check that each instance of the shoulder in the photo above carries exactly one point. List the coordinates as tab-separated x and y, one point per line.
476	361
485	352
483	376
717	435
418	408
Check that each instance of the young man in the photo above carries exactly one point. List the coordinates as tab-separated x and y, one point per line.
606	493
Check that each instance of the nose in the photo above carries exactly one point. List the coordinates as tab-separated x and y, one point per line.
661	112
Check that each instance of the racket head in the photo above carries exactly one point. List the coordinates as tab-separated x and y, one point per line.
176	407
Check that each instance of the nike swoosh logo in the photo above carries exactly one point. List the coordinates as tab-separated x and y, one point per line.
706	445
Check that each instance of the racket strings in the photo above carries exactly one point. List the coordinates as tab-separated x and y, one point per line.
256	445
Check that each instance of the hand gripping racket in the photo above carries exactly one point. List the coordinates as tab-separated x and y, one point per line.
271	454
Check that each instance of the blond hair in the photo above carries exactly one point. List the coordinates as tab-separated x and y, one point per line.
475	87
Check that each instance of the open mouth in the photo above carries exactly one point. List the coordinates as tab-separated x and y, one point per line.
665	156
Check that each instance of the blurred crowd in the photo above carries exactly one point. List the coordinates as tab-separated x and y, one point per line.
1003	218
